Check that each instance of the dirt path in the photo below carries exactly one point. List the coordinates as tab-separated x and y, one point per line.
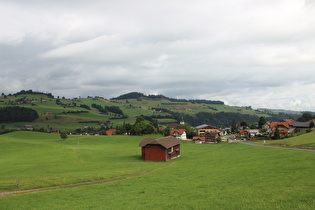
2	194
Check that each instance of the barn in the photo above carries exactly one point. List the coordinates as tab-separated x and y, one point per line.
160	149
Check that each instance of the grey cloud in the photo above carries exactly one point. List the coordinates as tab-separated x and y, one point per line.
240	51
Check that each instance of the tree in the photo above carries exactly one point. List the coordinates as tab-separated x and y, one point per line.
219	140
244	124
139	119
17	114
139	128
305	117
276	135
166	131
233	127
63	135
261	122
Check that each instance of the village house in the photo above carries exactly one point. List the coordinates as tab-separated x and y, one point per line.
110	132
289	121
198	140
176	125
283	128
203	129
301	126
251	132
160	149
287	127
28	127
211	137
179	134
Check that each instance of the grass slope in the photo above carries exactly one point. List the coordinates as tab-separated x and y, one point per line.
306	141
209	176
41	160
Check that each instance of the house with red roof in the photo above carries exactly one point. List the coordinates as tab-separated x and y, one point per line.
110	132
289	121
198	140
160	149
179	134
283	127
244	132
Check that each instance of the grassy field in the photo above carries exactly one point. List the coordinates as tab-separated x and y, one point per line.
208	176
41	160
306	141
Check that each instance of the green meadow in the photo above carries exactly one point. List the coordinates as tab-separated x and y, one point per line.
306	141
106	172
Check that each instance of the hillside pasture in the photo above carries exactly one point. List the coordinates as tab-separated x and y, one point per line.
208	176
307	141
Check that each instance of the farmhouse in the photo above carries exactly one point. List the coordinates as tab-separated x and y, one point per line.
283	127
252	132
161	149
110	132
301	126
179	134
198	140
211	137
203	129
28	127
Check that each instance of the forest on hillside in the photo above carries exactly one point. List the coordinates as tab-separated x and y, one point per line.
17	114
137	95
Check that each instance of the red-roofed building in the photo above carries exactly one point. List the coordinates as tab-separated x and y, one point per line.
244	132
173	126
179	134
198	140
110	132
283	127
289	121
161	149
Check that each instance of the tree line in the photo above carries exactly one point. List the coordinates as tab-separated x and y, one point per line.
17	114
136	95
140	127
106	109
22	92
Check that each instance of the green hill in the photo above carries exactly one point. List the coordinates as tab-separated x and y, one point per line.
301	140
69	114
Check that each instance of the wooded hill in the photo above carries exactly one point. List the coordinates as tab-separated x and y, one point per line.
96	112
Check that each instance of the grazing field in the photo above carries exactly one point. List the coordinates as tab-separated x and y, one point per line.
306	141
208	176
35	160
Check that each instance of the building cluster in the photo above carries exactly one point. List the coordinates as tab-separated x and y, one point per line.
205	133
285	127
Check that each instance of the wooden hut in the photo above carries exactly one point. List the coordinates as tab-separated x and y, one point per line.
161	149
211	137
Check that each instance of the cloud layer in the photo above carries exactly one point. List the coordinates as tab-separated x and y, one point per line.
242	52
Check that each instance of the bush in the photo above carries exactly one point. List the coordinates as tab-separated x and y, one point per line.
219	140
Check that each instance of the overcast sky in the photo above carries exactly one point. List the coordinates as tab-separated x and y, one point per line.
258	53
